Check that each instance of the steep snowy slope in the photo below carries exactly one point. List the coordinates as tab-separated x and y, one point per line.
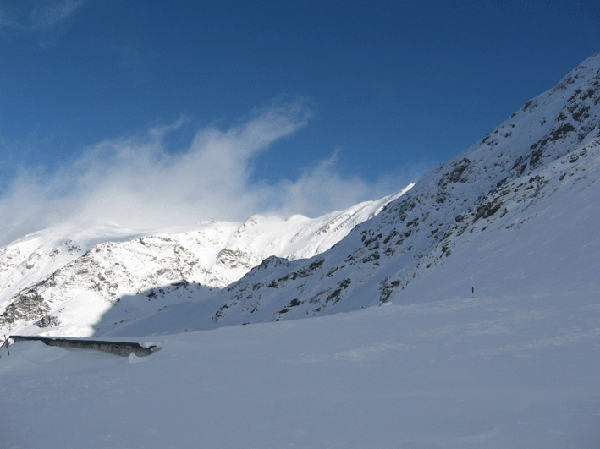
525	194
62	286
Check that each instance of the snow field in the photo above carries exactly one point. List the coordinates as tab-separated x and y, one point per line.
517	372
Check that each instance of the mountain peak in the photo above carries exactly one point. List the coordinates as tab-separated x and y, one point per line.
524	167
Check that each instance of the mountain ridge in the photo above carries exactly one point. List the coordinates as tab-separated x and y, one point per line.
548	145
507	199
39	273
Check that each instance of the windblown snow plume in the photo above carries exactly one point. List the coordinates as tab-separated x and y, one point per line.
135	182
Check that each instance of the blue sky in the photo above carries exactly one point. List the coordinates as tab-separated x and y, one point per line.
280	107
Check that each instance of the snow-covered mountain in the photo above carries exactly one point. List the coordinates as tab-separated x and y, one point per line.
495	218
488	334
516	202
62	280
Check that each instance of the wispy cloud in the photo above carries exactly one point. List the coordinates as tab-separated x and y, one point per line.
47	16
42	19
135	182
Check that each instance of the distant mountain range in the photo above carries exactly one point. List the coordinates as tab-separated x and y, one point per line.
61	280
517	212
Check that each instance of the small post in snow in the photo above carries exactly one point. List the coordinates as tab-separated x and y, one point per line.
472	286
5	343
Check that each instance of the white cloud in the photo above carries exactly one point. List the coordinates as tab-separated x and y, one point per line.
43	20
135	182
47	16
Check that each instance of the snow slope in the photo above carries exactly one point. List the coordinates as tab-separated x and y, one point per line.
493	372
524	197
62	280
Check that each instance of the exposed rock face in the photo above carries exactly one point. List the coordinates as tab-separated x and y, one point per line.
48	320
27	306
235	258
